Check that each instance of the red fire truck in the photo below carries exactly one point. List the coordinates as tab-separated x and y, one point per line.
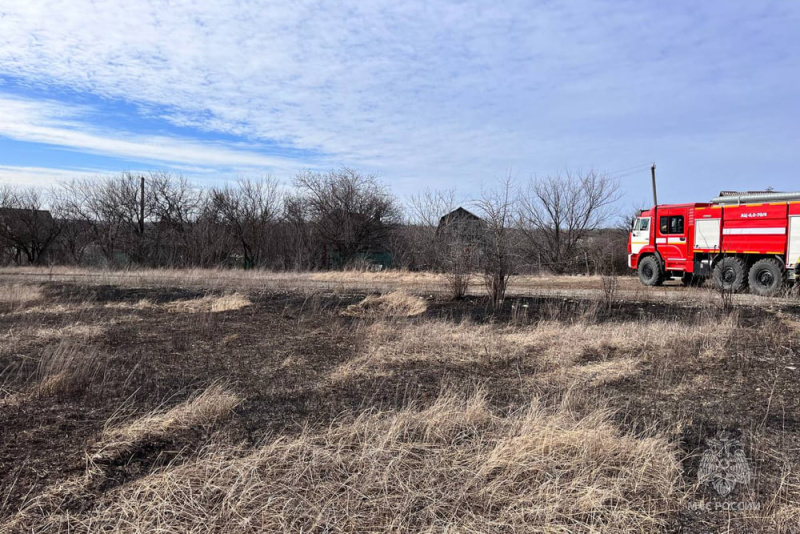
738	239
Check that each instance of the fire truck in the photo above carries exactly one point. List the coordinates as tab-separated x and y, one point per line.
739	240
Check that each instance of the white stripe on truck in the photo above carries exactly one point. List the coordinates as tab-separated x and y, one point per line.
754	231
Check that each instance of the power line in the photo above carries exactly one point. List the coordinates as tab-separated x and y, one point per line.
630	173
630	170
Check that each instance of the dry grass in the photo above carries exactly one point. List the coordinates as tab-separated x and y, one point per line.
16	338
67	369
595	352
600	373
81	331
383	277
589	287
55	309
46	511
201	410
786	519
234	301
142	304
16	297
394	304
555	464
453	467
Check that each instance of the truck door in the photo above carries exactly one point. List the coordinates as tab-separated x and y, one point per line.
640	234
671	237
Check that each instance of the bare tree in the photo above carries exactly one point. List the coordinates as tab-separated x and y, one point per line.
558	212
248	210
498	208
176	202
113	209
425	212
25	226
351	213
130	204
176	210
302	248
429	206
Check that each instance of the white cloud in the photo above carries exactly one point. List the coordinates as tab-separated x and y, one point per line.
55	124
418	91
41	176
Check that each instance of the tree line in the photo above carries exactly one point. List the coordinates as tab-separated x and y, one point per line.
326	220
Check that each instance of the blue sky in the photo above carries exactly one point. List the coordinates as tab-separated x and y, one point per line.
445	94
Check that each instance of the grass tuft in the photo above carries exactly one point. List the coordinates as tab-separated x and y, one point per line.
234	301
202	410
394	304
67	369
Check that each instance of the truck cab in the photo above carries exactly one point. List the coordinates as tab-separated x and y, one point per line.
662	240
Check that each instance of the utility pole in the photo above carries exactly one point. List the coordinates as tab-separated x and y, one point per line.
141	206
655	194
655	225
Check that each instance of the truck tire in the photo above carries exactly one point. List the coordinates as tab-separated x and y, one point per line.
650	271
730	274
766	277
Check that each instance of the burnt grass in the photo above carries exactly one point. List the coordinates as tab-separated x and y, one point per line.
162	358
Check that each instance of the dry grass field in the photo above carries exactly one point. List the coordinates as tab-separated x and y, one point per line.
226	401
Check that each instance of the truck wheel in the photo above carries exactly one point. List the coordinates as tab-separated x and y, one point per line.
766	277
692	280
730	274
650	272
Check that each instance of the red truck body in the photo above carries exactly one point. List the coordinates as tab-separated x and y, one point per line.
736	244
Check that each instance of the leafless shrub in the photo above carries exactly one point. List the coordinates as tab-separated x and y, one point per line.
457	283
610	290
786	519
458	267
726	299
499	210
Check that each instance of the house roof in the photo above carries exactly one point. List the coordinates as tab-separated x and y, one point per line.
458	213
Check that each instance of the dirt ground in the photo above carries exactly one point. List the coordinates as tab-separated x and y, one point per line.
671	362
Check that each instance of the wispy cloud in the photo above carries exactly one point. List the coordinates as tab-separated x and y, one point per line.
42	176
52	123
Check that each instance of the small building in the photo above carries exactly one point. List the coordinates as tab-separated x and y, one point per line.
461	225
460	237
